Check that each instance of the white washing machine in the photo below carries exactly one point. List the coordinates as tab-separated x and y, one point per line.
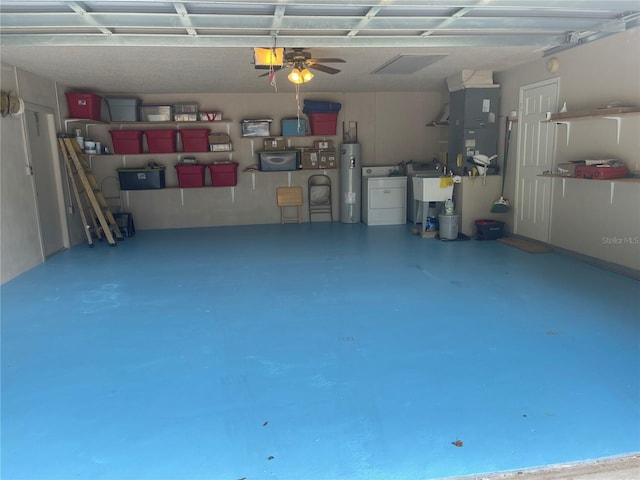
384	196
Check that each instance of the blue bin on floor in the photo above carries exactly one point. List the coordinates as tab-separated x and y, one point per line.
124	220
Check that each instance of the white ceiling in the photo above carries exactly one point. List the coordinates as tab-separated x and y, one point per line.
205	46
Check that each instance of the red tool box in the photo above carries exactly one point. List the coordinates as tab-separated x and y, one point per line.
601	173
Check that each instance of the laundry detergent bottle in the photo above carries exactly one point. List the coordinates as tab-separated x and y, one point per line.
449	207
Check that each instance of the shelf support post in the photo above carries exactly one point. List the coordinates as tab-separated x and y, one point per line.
611	193
618	122
568	125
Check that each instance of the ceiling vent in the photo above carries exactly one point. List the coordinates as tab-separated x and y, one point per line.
407	64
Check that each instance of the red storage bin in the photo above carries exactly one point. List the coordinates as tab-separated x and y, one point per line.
84	105
489	229
126	141
190	176
195	140
601	173
161	141
323	123
224	174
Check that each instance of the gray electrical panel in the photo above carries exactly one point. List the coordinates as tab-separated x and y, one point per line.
473	125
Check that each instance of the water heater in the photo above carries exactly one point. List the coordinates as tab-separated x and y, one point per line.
350	183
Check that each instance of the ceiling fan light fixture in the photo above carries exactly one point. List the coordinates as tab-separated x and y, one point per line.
299	76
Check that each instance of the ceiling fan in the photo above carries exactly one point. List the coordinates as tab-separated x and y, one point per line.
300	61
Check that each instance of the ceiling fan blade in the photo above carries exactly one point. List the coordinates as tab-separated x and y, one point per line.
266	67
327	60
324	68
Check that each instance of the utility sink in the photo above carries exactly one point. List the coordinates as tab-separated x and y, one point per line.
428	189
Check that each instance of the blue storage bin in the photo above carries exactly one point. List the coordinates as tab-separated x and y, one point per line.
320	106
294	127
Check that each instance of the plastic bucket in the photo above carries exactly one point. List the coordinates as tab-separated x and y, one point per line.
449	226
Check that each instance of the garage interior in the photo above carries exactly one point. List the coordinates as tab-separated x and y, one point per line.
217	342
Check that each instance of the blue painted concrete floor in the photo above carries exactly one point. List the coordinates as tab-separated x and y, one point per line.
314	352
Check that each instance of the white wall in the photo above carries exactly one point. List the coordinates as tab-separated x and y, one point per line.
588	216
19	233
390	128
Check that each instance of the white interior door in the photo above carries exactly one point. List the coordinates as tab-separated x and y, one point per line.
536	145
46	180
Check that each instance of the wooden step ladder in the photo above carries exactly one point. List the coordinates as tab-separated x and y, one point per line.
94	211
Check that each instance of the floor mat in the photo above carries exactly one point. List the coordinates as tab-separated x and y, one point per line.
526	245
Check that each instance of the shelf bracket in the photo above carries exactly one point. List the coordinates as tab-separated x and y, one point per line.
253	180
288	179
564	186
86	124
568	125
182	197
611	193
618	122
233	194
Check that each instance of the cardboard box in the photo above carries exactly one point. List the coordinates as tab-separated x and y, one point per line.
185	117
219	138
220	142
470	78
185	108
323	144
210	116
220	147
310	159
274	144
327	159
569	168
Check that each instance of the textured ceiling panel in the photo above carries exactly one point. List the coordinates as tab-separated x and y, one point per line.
407	64
218	35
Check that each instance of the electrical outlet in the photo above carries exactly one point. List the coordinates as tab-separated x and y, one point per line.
29	170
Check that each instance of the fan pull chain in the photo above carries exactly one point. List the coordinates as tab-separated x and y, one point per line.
272	71
298	102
